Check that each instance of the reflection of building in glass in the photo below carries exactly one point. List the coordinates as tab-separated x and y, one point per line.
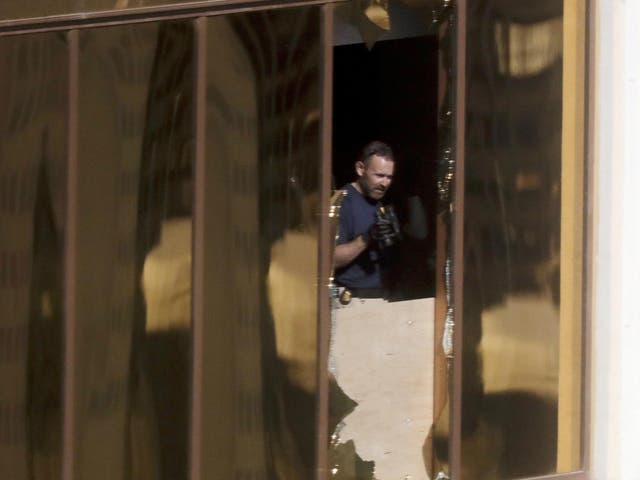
33	215
513	226
232	199
262	160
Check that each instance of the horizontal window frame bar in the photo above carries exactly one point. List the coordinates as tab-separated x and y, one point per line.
578	475
74	21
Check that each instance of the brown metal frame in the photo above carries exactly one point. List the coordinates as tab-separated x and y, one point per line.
70	264
579	475
455	440
147	14
199	242
324	244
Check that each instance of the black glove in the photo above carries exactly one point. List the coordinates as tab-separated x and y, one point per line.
386	229
382	229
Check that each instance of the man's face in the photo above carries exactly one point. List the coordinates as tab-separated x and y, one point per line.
374	177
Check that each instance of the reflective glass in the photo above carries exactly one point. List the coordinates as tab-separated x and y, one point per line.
523	236
33	119
135	155
261	252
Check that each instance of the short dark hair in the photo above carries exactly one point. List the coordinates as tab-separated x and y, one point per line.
377	148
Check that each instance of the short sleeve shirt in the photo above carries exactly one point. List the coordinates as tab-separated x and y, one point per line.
357	215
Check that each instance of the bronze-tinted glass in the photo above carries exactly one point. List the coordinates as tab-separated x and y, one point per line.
523	237
261	206
135	156
33	120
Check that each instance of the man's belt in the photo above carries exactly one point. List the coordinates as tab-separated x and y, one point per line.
367	292
348	293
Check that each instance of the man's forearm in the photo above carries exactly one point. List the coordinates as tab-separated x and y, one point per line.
346	253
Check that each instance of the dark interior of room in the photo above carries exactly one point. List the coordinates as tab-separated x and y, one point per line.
389	93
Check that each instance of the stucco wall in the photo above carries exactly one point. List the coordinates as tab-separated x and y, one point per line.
616	325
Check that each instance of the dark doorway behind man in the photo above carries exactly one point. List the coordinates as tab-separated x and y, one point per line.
389	93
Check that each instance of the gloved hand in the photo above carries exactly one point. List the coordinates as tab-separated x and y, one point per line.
386	229
382	230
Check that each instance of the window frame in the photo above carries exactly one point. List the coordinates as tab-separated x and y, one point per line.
198	12
457	244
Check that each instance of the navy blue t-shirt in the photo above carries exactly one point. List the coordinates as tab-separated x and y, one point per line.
357	214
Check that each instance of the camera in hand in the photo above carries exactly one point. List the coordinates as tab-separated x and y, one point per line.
387	227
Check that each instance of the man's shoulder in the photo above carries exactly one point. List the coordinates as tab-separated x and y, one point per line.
348	188
350	195
347	195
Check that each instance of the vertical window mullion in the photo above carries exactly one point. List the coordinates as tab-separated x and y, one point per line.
324	246
70	265
198	247
460	56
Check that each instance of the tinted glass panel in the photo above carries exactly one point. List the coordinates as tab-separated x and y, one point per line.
33	113
522	358
261	233
134	251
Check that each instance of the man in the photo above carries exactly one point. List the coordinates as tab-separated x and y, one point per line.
381	351
364	227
